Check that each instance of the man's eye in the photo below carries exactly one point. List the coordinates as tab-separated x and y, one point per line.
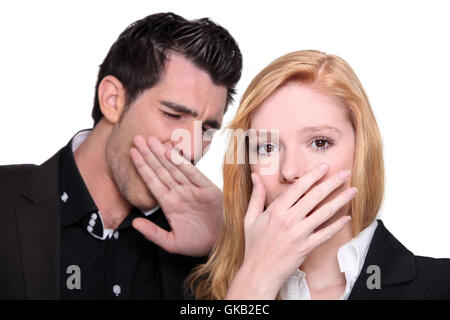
172	115
209	132
267	148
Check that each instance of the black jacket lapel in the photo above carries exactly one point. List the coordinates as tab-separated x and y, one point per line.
39	232
396	265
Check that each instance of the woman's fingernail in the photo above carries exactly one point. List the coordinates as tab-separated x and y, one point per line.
352	191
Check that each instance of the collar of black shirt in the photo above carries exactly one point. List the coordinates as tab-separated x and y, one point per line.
77	205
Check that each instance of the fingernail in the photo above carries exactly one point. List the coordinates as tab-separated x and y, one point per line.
323	167
347	219
344	174
352	191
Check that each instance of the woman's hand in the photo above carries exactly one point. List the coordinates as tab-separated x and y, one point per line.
278	240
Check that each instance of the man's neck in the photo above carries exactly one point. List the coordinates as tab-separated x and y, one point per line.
90	158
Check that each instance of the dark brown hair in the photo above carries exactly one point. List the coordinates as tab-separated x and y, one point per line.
138	56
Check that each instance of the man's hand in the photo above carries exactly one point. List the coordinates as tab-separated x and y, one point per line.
191	203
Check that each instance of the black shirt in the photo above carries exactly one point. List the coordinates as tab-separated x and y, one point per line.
95	264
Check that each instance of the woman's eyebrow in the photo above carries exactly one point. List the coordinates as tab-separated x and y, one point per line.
270	134
319	128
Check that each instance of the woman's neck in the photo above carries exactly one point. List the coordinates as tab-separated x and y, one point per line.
321	265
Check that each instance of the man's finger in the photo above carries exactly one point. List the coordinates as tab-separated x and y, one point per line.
188	169
160	152
155	234
156	187
154	163
257	199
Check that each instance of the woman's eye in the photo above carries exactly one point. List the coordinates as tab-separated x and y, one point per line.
266	149
320	144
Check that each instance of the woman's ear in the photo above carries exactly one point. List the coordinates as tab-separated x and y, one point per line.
111	96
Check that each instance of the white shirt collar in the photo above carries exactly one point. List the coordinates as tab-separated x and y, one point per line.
351	257
79	138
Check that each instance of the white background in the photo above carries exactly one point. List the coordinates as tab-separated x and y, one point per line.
50	52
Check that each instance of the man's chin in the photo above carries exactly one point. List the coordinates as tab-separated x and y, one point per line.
144	202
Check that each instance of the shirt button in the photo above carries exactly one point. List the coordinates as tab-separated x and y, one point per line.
94	216
64	197
116	235
116	290
92	222
90	229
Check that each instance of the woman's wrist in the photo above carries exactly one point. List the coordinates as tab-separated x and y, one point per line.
252	284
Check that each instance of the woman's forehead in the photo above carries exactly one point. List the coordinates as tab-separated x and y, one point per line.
299	106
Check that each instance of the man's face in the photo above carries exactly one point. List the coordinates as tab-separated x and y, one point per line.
184	94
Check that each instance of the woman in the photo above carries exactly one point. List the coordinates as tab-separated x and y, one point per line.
287	232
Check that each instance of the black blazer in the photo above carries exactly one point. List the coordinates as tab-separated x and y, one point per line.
30	247
403	275
30	236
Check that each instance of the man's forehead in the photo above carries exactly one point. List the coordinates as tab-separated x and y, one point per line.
180	66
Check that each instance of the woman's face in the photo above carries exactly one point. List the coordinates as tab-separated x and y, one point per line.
312	128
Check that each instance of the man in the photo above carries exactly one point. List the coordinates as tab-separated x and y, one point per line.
70	225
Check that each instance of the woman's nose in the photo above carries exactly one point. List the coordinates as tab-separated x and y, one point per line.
290	167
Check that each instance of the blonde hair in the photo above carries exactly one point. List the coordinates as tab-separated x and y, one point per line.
333	76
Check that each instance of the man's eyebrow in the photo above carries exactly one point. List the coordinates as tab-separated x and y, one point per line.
319	128
214	124
179	108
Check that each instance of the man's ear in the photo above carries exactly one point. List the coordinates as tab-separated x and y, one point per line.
112	97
